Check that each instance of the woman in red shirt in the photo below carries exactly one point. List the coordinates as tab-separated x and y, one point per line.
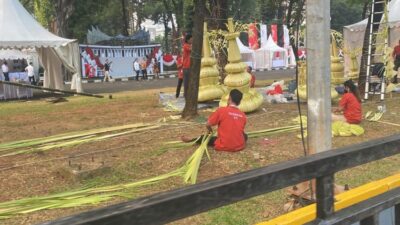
349	105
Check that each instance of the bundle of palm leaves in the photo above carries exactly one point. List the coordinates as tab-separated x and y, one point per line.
94	196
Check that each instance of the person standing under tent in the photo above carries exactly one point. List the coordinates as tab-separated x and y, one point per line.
136	68
31	73
187	50
5	70
143	67
107	67
396	58
349	105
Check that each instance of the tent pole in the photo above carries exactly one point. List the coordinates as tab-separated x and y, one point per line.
51	89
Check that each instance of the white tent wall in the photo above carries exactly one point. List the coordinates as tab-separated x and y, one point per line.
354	34
70	58
52	65
22	31
246	53
266	56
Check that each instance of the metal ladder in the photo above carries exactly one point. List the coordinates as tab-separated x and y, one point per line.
378	26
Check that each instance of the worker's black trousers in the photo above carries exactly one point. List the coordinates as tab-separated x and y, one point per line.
178	87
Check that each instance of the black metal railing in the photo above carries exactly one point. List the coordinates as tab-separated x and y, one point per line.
184	202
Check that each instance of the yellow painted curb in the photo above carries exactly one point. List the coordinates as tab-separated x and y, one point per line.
343	200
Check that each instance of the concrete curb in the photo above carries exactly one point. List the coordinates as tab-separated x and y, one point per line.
162	76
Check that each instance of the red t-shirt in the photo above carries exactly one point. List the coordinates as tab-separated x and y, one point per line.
187	49
351	108
396	51
231	122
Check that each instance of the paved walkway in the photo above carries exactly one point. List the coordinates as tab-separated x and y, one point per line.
131	85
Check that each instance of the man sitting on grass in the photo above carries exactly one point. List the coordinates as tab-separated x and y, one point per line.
231	122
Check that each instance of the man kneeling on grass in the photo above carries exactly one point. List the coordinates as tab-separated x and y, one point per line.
231	122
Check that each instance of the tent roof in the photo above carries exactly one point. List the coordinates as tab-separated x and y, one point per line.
394	18
271	46
13	54
20	30
242	47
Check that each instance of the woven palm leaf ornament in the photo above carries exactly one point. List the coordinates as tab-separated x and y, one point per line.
237	77
209	87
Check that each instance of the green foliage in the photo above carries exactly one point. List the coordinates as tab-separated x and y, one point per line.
44	11
345	13
108	15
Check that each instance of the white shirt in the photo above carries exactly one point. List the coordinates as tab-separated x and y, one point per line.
30	71
136	66
4	68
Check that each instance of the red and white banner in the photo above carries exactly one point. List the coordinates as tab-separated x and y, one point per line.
274	32
169	60
253	37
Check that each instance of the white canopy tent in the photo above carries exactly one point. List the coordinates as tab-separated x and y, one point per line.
354	33
19	30
271	56
246	53
13	55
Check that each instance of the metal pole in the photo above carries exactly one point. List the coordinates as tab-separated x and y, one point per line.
318	76
319	95
51	89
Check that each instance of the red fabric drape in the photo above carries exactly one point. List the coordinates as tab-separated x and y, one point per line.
253	37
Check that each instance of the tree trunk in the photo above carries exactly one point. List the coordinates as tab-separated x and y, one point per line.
124	19
289	14
297	23
220	15
174	45
139	15
64	9
190	109
280	24
166	32
365	10
178	11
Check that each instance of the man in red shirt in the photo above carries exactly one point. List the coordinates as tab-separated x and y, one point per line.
231	123
187	49
350	105
396	57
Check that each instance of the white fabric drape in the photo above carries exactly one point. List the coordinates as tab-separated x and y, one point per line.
22	31
53	77
69	56
52	60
